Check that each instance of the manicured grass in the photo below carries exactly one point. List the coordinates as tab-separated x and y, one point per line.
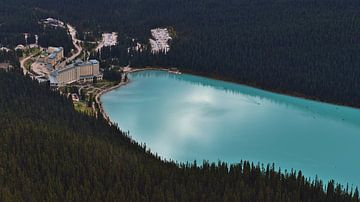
103	83
82	107
90	91
32	51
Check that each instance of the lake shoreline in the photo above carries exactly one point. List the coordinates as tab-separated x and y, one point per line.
116	86
99	103
279	92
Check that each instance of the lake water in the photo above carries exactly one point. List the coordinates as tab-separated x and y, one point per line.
187	118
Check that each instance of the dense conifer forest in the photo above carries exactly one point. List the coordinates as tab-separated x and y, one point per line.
56	37
10	57
50	152
307	48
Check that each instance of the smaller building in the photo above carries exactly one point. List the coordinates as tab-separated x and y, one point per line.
41	79
75	97
5	66
52	22
34	45
55	55
20	47
4	49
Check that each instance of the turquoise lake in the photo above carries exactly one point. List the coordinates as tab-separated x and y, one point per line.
187	118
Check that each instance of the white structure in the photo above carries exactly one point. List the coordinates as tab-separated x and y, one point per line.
20	47
77	72
5	66
159	41
4	49
52	22
34	45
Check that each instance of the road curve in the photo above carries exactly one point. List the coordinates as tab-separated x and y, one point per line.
22	63
75	41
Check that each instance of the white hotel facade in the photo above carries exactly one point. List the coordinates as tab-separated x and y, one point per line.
78	72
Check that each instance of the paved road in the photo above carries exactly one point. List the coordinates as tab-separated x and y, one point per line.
22	63
75	40
80	87
78	48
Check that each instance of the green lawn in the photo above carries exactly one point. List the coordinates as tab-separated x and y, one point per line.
82	107
31	51
103	83
90	91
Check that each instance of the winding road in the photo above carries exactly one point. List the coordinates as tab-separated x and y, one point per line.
75	41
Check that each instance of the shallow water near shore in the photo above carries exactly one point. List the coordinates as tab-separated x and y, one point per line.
187	118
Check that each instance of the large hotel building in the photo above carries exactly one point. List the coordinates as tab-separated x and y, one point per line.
77	72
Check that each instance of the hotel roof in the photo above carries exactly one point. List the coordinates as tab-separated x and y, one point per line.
94	61
52	55
90	62
58	49
53	79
